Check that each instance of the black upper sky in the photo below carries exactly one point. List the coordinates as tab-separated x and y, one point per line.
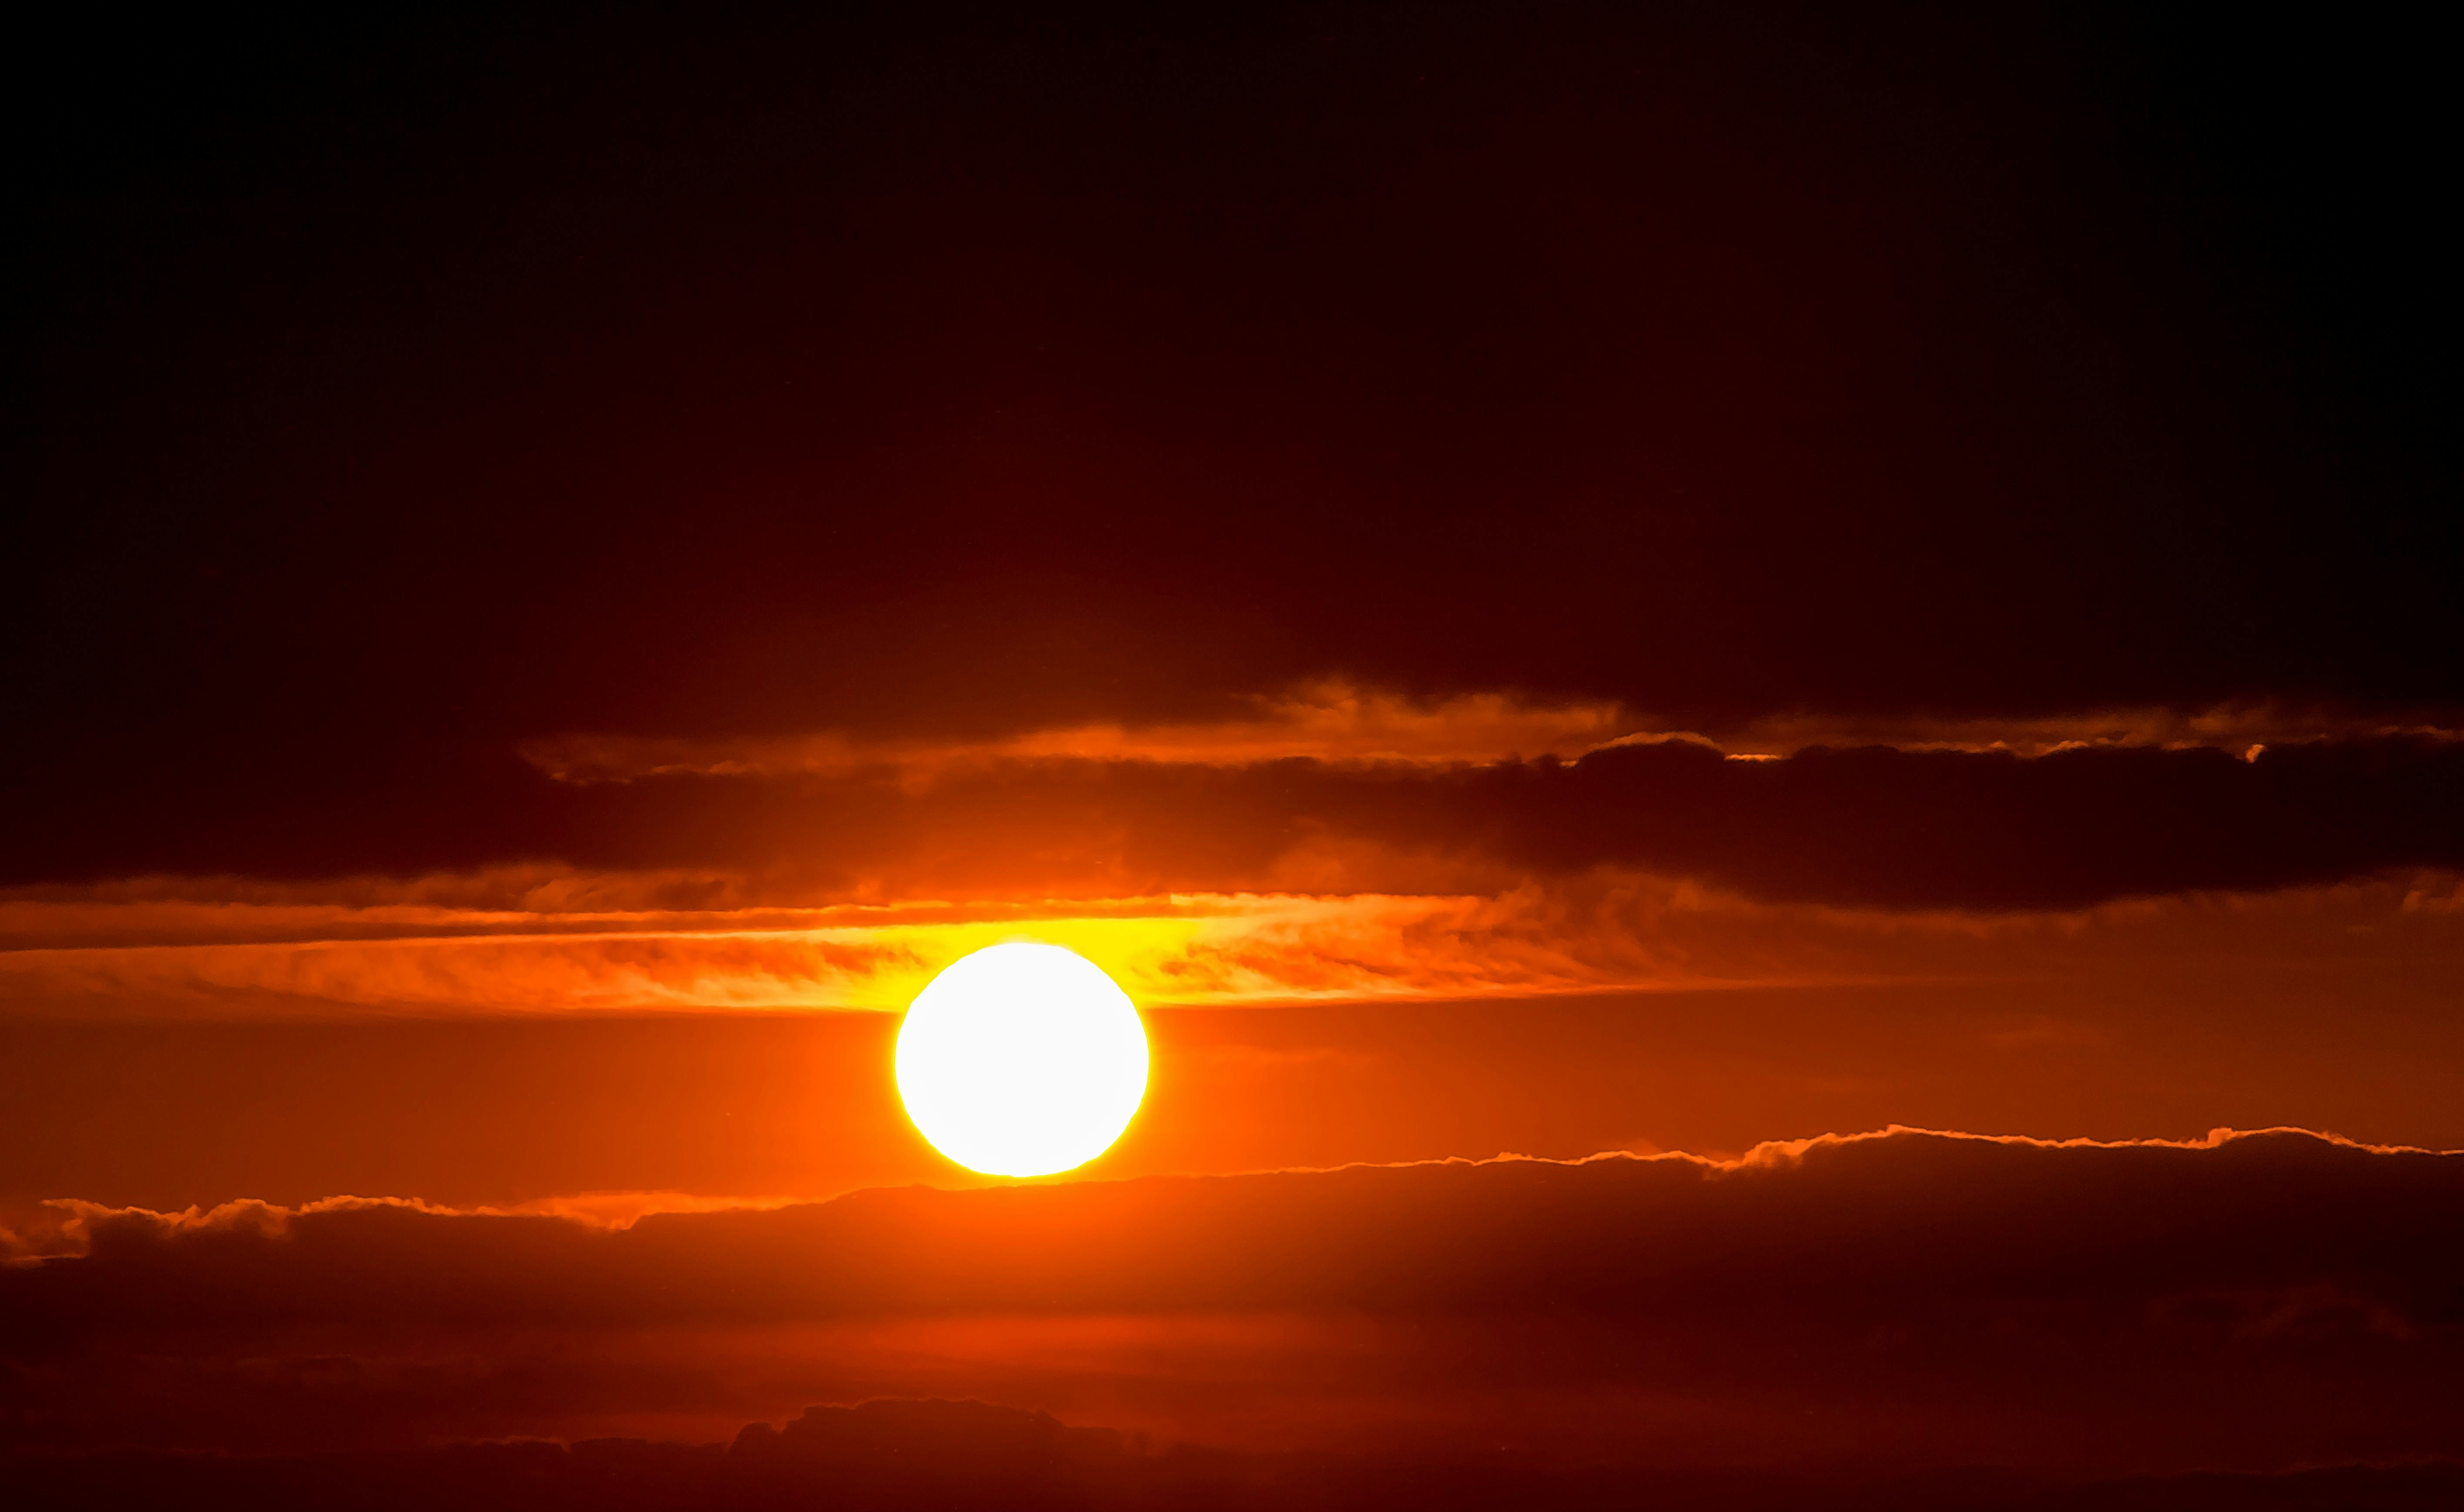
385	391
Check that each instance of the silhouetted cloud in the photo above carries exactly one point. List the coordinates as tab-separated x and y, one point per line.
1876	826
1333	720
1992	830
2251	1301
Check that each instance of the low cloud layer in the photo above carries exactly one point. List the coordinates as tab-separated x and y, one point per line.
2249	1301
953	1456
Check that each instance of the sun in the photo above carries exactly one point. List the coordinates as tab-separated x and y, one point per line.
1022	1060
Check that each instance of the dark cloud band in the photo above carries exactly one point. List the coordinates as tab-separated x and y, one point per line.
2252	1300
1878	826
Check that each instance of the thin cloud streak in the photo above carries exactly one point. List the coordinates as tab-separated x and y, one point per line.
64	1228
1331	721
1603	931
1338	721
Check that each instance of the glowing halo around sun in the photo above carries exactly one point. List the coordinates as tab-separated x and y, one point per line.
1022	1060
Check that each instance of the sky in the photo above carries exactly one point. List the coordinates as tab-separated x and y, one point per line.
1764	704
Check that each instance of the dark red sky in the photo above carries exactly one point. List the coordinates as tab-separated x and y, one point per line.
392	391
1531	580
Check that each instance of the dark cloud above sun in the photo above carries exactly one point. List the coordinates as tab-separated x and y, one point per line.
1876	826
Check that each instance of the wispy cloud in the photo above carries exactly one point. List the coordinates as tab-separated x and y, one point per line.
1333	720
1601	932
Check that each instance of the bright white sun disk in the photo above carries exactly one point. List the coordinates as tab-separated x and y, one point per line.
1022	1060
